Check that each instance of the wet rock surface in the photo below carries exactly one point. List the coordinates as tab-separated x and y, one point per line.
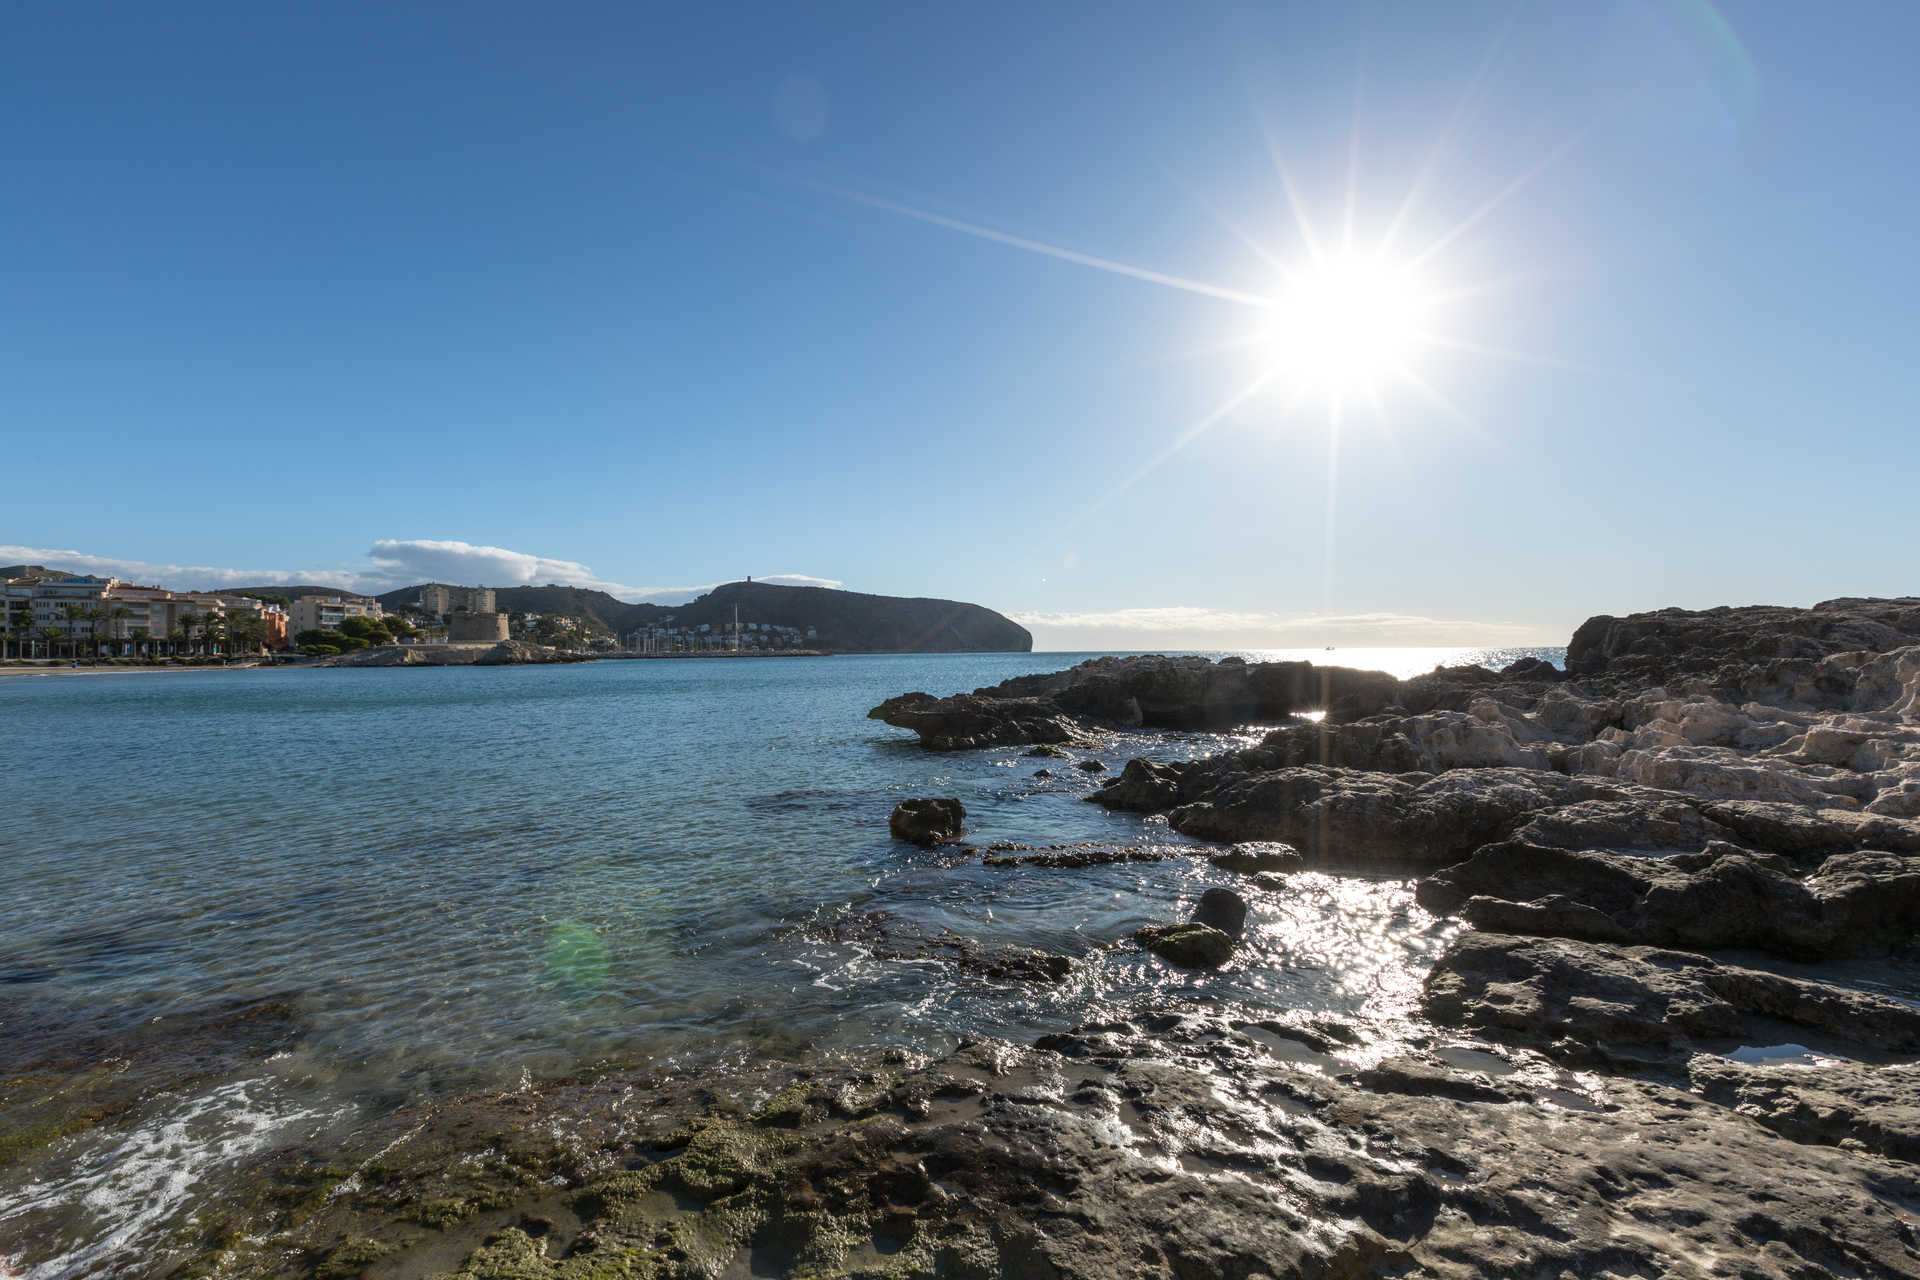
1720	898
60	1076
1636	1004
1851	1105
1190	945
1164	1144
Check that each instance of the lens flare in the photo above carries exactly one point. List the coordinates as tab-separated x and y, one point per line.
576	959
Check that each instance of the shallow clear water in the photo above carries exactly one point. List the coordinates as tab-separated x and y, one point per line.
464	876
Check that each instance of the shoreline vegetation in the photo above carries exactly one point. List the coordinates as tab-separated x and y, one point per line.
1664	1041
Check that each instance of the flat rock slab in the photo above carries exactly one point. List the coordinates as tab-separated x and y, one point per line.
1722	898
1589	1000
1845	1104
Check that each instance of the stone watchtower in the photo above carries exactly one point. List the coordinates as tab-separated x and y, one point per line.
476	628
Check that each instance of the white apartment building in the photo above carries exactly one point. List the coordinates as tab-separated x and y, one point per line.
325	613
63	609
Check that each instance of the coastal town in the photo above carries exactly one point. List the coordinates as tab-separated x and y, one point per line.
47	615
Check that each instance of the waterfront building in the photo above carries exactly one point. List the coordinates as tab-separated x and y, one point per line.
45	611
326	613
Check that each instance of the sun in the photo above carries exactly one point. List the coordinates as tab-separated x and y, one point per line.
1346	324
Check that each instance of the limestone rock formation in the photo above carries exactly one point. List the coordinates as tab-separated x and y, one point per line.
1139	692
1584	999
1723	897
1653	648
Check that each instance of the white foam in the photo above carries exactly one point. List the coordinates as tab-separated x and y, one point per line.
1781	1055
113	1191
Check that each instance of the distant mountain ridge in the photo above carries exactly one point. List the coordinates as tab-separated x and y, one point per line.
848	621
290	593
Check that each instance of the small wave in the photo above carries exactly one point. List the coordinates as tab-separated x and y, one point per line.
111	1194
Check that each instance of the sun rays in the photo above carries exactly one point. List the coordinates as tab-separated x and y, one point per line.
1360	311
1340	324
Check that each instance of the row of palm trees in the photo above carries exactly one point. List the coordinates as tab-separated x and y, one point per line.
208	634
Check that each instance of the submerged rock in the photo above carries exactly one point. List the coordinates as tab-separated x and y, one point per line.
1190	945
927	821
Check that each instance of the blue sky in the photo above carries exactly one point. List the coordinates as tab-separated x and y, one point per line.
653	298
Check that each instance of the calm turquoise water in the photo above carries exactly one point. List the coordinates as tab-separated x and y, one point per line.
467	876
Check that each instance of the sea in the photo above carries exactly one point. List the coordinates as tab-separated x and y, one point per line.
448	879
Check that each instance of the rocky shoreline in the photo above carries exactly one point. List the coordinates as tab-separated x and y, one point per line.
506	653
1675	1034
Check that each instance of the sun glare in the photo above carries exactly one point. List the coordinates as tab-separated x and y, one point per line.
1346	324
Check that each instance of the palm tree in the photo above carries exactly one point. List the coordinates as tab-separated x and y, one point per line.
20	624
176	638
119	615
188	621
72	614
249	633
48	635
141	647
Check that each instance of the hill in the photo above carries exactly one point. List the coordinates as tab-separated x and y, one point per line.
847	621
288	593
852	622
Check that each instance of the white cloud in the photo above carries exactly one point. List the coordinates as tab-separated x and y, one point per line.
1186	626
179	576
402	562
390	563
